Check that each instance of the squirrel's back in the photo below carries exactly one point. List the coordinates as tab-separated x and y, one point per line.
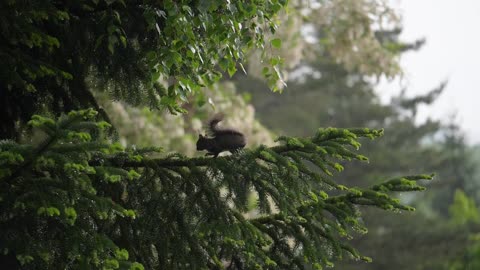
221	139
230	139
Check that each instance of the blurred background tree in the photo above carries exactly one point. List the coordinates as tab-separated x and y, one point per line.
336	88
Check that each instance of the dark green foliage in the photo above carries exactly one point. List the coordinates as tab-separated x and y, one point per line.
78	201
55	207
50	49
75	200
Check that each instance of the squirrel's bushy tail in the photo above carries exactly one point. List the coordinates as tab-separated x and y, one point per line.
213	122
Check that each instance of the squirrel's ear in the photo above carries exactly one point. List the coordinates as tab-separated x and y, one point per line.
200	135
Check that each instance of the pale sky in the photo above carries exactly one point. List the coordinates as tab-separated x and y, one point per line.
452	51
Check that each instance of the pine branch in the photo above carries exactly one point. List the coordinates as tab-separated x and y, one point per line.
199	205
54	135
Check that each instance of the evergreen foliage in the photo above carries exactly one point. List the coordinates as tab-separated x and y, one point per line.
75	199
78	201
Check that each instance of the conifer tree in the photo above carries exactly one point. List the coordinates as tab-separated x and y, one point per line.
72	198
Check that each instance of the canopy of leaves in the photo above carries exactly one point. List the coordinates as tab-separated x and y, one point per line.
49	48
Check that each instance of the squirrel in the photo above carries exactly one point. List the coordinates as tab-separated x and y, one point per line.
220	140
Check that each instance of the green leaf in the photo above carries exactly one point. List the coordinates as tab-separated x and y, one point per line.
232	69
136	266
129	213
123	39
265	71
70	214
276	43
132	175
111	264
224	64
121	254
151	56
111	48
155	76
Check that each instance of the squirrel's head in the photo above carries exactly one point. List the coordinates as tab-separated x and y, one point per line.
202	142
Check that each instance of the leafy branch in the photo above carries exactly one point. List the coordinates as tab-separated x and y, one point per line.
270	206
